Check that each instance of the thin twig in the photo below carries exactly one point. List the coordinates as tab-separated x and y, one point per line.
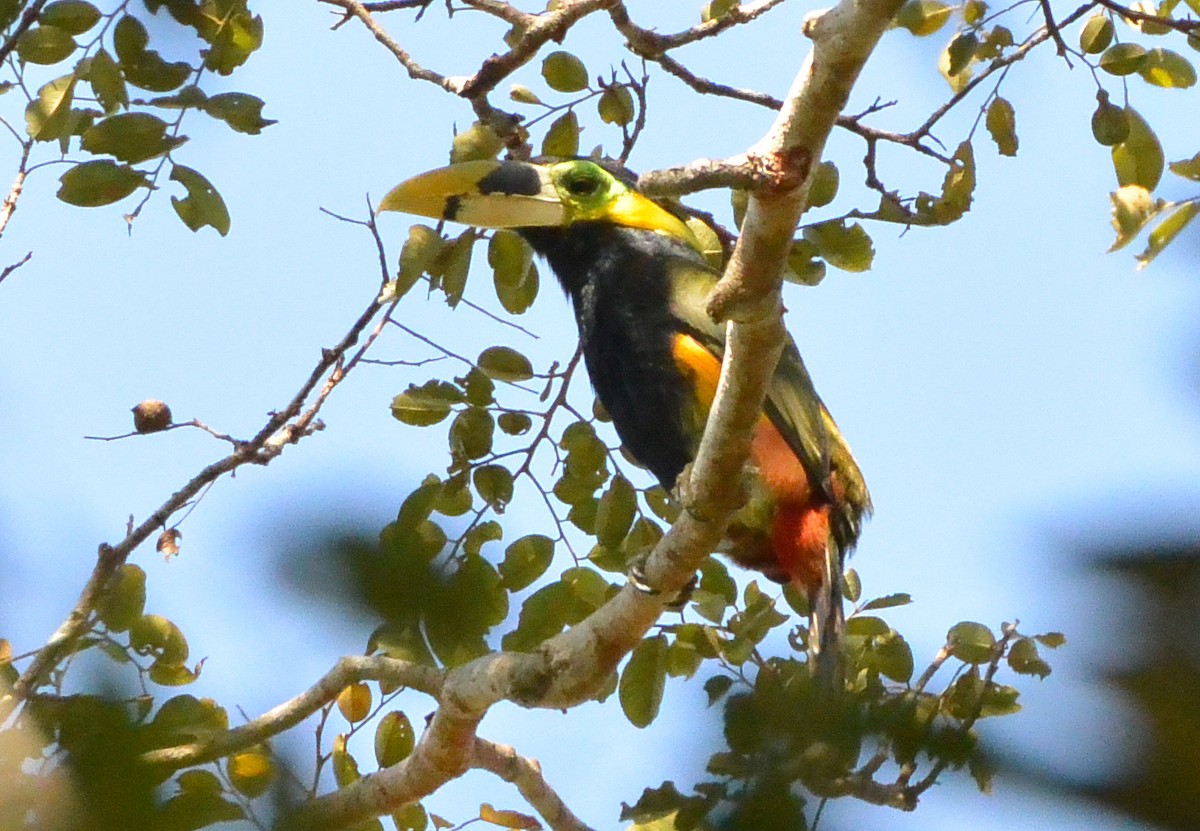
526	774
9	269
14	193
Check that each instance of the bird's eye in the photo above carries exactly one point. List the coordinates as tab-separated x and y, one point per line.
583	185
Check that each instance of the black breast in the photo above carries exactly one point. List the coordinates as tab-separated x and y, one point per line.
618	281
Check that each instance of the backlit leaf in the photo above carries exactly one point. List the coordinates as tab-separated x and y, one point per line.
107	82
72	16
471	433
203	205
1167	230
923	17
1123	59
562	139
45	45
476	143
843	246
505	364
641	687
394	739
1110	123
525	560
1164	68
494	484
130	137
1132	208
971	642
46	116
92	184
427	404
1187	168
1001	124
564	72
1096	34
416	256
1139	158
616	105
240	111
616	511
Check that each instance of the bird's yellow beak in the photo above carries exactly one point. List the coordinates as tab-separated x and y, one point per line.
512	194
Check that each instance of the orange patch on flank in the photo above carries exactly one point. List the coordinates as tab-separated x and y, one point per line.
800	530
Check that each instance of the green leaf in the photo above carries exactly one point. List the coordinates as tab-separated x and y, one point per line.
124	599
891	656
514	424
525	560
1001	124
1139	158
150	72
1051	640
888	601
130	137
107	82
1167	230
9	11
239	36
46	117
851	585
416	256
1187	168
45	45
203	205
824	185
184	98
616	105
427	404
923	17
524	95
471	433
843	246
480	390
394	739
564	72
1164	68
505	364
615	512
961	51
239	110
514	274
402	641
72	16
804	264
157	636
494	484
476	143
129	39
1110	123
1123	59
1096	34
185	718
562	139
412	817
450	267
866	626
641	688
92	184
1023	657
971	642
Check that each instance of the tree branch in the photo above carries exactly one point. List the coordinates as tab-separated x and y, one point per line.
345	672
526	774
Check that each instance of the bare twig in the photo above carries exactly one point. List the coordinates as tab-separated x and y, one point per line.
526	774
14	193
346	671
9	269
1184	26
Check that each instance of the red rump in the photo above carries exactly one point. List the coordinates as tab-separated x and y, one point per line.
799	536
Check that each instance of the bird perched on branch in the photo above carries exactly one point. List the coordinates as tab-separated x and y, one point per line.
639	282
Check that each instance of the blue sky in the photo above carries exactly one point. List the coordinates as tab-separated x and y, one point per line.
1010	390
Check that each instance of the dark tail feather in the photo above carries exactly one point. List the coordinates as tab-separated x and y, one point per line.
827	625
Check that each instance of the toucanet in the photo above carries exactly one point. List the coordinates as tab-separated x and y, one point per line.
639	283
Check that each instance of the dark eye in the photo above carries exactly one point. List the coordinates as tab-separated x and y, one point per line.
583	185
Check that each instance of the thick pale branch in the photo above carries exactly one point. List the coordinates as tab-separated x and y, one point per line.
347	671
526	774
